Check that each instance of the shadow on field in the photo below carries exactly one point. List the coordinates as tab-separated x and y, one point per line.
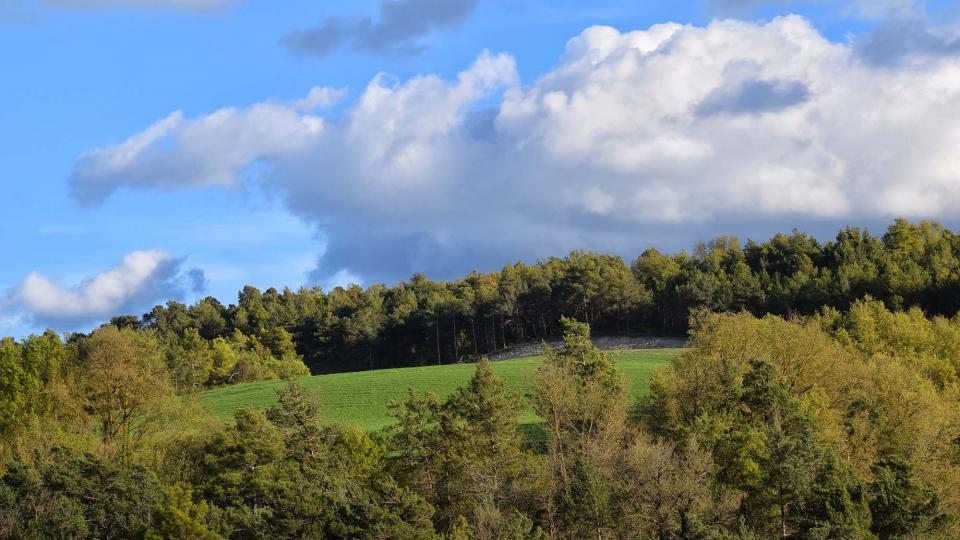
534	436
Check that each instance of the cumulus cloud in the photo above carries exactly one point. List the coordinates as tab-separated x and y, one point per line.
320	97
634	136
210	151
398	30
141	279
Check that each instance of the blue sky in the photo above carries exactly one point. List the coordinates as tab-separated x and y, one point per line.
451	158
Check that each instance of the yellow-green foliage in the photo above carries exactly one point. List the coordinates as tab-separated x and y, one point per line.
807	358
196	363
879	384
930	345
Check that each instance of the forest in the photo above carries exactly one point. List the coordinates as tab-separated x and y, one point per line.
421	321
819	398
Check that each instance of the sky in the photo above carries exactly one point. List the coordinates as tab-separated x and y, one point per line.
158	150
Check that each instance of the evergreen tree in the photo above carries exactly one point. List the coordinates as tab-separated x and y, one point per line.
580	394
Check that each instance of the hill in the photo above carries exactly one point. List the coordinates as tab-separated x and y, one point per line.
361	398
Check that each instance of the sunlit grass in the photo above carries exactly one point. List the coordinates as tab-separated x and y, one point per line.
361	398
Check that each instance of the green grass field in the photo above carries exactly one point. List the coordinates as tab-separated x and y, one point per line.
361	398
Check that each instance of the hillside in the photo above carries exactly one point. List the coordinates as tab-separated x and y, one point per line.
361	397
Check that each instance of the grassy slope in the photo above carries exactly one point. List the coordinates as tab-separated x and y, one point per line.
361	398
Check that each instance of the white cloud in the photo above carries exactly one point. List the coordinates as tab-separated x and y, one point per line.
142	278
320	97
210	151
652	130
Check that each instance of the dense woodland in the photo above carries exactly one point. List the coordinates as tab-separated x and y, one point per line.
422	321
820	398
841	425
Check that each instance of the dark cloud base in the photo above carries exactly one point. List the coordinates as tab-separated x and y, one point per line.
401	24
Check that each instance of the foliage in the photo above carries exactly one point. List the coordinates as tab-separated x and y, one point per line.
820	399
122	378
580	394
842	433
70	494
273	334
465	454
282	474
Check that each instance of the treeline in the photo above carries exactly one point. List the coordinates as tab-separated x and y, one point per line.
421	321
843	425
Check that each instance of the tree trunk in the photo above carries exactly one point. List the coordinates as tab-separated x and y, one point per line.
436	327
473	328
493	326
503	331
456	353
783	517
